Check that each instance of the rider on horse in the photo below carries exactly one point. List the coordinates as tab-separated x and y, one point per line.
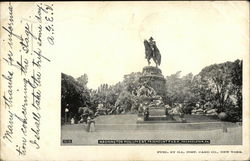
151	51
152	44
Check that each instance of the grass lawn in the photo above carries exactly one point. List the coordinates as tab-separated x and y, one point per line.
124	127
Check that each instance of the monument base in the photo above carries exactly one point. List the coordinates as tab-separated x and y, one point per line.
160	119
151	94
154	78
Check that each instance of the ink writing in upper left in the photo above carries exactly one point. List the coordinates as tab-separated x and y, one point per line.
24	36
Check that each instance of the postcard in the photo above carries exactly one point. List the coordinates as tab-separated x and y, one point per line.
142	80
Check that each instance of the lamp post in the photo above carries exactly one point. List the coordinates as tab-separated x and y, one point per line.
66	113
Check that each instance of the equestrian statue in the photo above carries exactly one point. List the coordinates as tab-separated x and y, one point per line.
151	51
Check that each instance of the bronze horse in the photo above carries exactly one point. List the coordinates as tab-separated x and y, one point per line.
152	54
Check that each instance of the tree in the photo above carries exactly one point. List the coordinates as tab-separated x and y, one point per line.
124	101
131	82
178	89
236	75
201	91
106	95
235	112
74	94
121	94
222	84
173	88
218	78
83	80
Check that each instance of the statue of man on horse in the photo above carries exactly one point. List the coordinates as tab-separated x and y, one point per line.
151	51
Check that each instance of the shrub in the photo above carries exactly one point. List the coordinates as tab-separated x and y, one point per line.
187	109
222	116
234	113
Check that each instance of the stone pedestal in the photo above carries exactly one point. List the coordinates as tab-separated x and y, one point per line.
152	94
154	78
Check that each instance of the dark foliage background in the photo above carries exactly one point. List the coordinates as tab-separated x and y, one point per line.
217	85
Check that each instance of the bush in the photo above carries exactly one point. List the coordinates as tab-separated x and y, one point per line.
222	116
187	109
234	113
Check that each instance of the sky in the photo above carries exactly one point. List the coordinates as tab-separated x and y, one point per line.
105	39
